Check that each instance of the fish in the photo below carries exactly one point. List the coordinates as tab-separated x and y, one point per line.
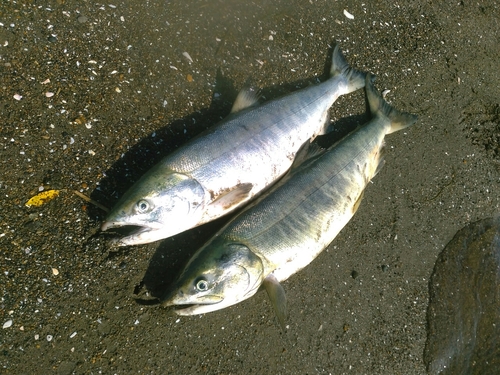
230	163
285	230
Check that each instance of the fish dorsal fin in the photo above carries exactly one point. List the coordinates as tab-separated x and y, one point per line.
232	197
307	151
277	296
246	98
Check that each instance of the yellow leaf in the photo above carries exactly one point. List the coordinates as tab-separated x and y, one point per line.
42	198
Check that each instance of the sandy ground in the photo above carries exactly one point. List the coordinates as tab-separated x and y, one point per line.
92	94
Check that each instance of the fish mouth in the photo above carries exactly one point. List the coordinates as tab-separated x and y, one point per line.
128	234
195	309
126	226
212	303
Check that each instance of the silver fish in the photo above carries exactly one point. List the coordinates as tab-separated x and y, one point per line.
282	232
233	161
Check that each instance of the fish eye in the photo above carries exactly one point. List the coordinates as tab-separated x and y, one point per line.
143	206
202	285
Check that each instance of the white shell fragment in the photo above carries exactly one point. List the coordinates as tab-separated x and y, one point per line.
49	94
348	15
7	324
18	97
186	55
55	271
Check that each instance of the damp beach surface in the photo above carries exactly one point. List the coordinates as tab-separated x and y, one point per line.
94	94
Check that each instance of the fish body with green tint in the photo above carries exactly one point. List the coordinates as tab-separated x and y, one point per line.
226	166
286	229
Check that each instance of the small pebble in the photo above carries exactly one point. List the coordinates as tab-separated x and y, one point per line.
55	271
354	274
52	39
82	19
186	55
348	15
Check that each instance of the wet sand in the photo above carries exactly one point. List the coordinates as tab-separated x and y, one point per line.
94	94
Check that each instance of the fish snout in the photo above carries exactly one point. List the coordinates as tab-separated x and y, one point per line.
172	297
106	225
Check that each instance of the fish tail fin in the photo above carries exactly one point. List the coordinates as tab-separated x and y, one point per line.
355	78
379	107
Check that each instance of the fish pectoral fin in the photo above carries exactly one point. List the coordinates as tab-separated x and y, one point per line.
246	98
232	197
277	296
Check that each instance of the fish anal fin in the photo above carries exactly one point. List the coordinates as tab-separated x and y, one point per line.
277	296
232	197
380	159
358	202
246	98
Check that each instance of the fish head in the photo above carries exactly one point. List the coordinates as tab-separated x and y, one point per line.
218	276
157	206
